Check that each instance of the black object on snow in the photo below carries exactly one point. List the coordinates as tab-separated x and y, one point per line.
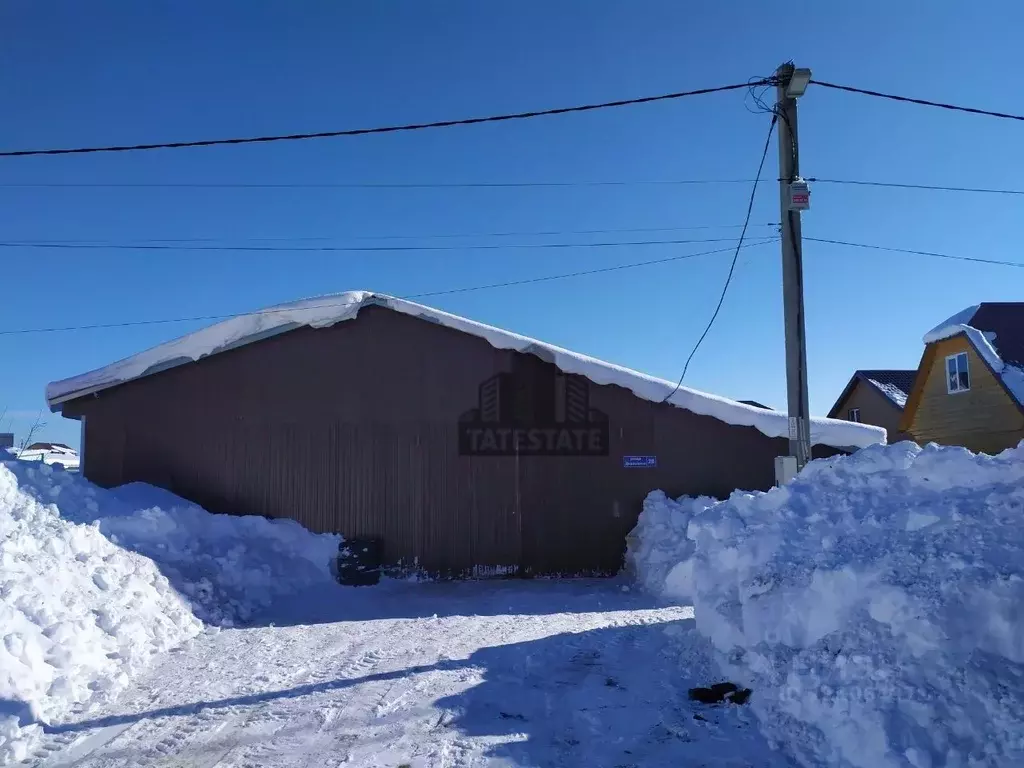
359	562
720	692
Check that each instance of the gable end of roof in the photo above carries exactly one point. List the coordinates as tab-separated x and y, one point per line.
1010	378
893	385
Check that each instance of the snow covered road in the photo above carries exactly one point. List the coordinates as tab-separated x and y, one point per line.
544	673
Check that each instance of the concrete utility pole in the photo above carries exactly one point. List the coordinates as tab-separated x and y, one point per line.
792	83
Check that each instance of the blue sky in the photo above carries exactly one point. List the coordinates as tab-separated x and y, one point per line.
101	73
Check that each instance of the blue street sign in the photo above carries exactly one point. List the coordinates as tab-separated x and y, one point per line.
639	462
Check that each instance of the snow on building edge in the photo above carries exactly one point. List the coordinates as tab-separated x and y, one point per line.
325	311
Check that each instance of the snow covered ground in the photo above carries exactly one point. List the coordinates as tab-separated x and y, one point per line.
138	629
874	604
541	673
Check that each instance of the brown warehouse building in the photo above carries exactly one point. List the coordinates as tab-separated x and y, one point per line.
464	448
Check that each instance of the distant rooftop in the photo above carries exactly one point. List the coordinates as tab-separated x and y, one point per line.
894	384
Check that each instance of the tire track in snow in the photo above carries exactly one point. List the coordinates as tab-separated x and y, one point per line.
292	728
534	673
236	656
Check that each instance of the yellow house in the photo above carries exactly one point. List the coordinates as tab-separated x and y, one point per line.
969	388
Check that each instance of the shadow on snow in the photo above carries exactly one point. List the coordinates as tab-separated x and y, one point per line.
609	698
614	697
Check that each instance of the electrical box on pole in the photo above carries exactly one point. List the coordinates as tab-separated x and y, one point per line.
799	195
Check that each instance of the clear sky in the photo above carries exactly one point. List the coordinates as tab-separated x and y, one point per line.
126	72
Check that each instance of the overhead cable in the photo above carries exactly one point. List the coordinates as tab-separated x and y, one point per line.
483	185
976	259
430	236
732	266
350	248
362	184
923	102
378	130
422	295
933	187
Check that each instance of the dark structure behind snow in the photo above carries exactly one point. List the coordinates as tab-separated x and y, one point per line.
355	428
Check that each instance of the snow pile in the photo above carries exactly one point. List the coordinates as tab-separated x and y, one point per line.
79	615
95	582
658	553
325	311
874	604
229	567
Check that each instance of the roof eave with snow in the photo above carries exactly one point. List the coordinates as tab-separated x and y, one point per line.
328	310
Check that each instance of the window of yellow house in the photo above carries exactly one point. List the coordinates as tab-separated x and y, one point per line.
958	377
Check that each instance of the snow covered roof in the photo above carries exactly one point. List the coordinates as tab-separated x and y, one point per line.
325	311
894	384
58	447
67	457
996	331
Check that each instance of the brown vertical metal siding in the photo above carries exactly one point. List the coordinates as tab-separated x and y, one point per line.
353	429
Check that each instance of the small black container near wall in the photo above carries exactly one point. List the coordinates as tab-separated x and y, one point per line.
359	562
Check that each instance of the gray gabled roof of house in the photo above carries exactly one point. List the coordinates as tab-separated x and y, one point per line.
895	384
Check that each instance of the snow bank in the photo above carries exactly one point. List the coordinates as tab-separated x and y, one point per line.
658	553
229	567
96	582
79	614
874	604
325	311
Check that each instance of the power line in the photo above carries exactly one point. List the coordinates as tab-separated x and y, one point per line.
384	129
350	248
936	187
916	252
364	185
427	294
436	236
924	102
732	266
512	283
482	185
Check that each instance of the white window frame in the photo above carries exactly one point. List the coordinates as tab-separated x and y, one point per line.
853	415
957	389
